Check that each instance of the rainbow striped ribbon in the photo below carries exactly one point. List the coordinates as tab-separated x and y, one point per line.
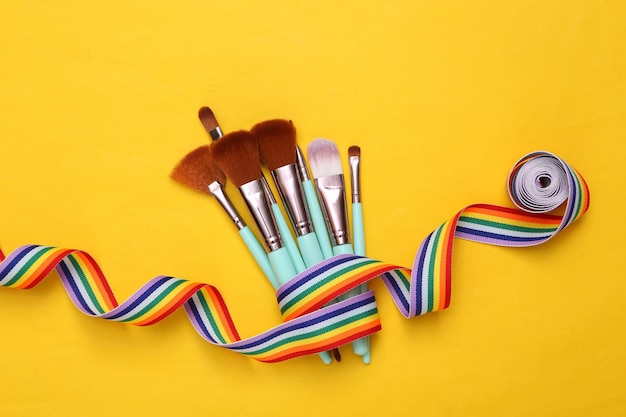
538	183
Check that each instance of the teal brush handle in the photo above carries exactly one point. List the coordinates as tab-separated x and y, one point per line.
360	346
345	249
310	248
281	265
288	242
319	224
358	232
259	255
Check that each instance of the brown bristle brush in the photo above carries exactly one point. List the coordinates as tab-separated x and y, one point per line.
277	142
198	171
241	160
237	155
208	120
277	149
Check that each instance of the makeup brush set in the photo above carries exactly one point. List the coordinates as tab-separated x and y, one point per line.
318	227
318	272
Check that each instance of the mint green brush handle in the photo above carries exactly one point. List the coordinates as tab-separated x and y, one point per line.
310	249
357	229
281	265
259	255
288	242
319	224
358	234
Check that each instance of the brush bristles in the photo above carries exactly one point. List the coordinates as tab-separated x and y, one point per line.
237	154
207	118
277	142
198	169
354	151
324	158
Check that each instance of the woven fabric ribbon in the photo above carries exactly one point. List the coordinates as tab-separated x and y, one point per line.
538	183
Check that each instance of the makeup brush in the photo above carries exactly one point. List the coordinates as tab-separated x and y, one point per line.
277	148
325	164
209	121
354	160
358	230
198	171
206	116
237	155
279	153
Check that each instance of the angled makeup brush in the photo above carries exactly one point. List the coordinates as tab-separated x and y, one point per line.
209	121
358	230
198	171
277	148
206	116
325	164
237	155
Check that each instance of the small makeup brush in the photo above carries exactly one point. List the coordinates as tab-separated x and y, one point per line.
325	164
237	155
198	171
277	148
354	160
209	121
206	116
358	230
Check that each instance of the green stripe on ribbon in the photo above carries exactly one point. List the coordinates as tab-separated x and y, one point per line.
26	266
506	226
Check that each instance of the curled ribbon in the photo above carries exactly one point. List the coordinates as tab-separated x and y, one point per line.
538	183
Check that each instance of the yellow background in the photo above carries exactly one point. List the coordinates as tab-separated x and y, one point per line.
98	101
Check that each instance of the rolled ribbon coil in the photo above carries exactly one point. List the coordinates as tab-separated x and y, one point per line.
539	183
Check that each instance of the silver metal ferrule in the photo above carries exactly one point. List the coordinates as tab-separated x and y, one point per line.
302	169
216	133
332	193
355	178
254	195
291	193
218	192
268	191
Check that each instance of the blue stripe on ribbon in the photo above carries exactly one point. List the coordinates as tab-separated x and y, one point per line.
146	293
15	258
313	320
